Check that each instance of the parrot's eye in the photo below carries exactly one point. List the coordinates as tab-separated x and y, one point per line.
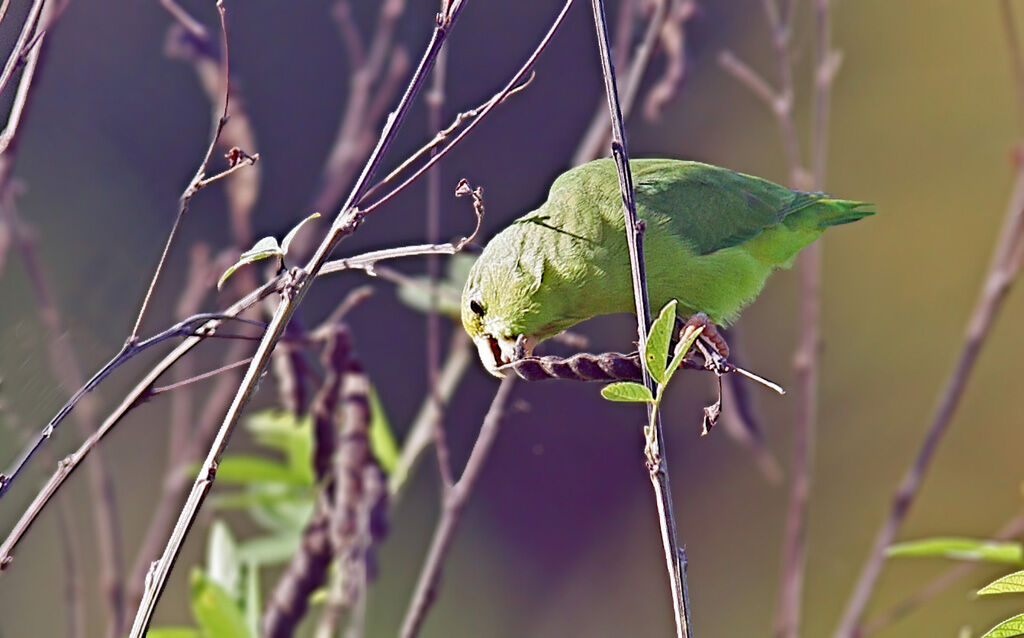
476	307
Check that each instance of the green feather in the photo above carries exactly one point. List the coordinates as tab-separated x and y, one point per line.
712	238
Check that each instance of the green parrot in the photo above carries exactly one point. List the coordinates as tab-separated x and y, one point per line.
712	238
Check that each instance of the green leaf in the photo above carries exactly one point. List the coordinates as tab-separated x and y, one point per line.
961	549
222	565
251	598
243	469
656	348
1009	627
173	632
263	249
281	431
417	292
627	391
282	514
256	496
680	353
382	439
1008	584
271	549
215	609
295	231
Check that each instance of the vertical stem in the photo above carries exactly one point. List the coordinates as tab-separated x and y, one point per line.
435	101
675	560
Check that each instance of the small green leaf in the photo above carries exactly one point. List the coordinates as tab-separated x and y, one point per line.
282	514
1008	584
656	348
251	598
173	632
627	391
271	549
222	565
680	353
295	231
1008	628
215	609
282	431
382	439
961	549
244	469
263	249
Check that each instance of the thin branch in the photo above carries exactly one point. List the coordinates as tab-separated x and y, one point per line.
657	463
1005	266
435	106
19	50
421	432
197	181
71	552
451	513
513	86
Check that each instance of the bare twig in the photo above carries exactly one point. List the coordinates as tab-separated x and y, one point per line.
435	106
451	513
657	463
200	179
673	40
1004	268
71	552
20	46
421	432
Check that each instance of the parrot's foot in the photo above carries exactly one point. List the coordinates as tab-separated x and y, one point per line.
710	334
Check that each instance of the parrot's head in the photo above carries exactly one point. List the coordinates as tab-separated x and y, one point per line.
501	306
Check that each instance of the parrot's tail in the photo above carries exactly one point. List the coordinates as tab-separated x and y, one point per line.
833	212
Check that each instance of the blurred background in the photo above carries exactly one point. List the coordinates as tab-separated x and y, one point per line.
560	536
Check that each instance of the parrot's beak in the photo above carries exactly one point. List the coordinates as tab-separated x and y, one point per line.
496	351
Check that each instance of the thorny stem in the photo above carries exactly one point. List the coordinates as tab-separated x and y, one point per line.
1005	266
346	223
657	463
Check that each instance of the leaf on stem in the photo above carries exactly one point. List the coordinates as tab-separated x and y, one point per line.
1009	553
656	347
1008	584
1009	627
295	231
263	249
627	391
682	348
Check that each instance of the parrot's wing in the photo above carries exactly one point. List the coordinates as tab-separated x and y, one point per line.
711	207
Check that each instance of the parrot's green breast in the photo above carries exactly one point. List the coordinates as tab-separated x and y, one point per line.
712	238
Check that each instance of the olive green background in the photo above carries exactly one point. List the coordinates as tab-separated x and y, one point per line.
560	537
